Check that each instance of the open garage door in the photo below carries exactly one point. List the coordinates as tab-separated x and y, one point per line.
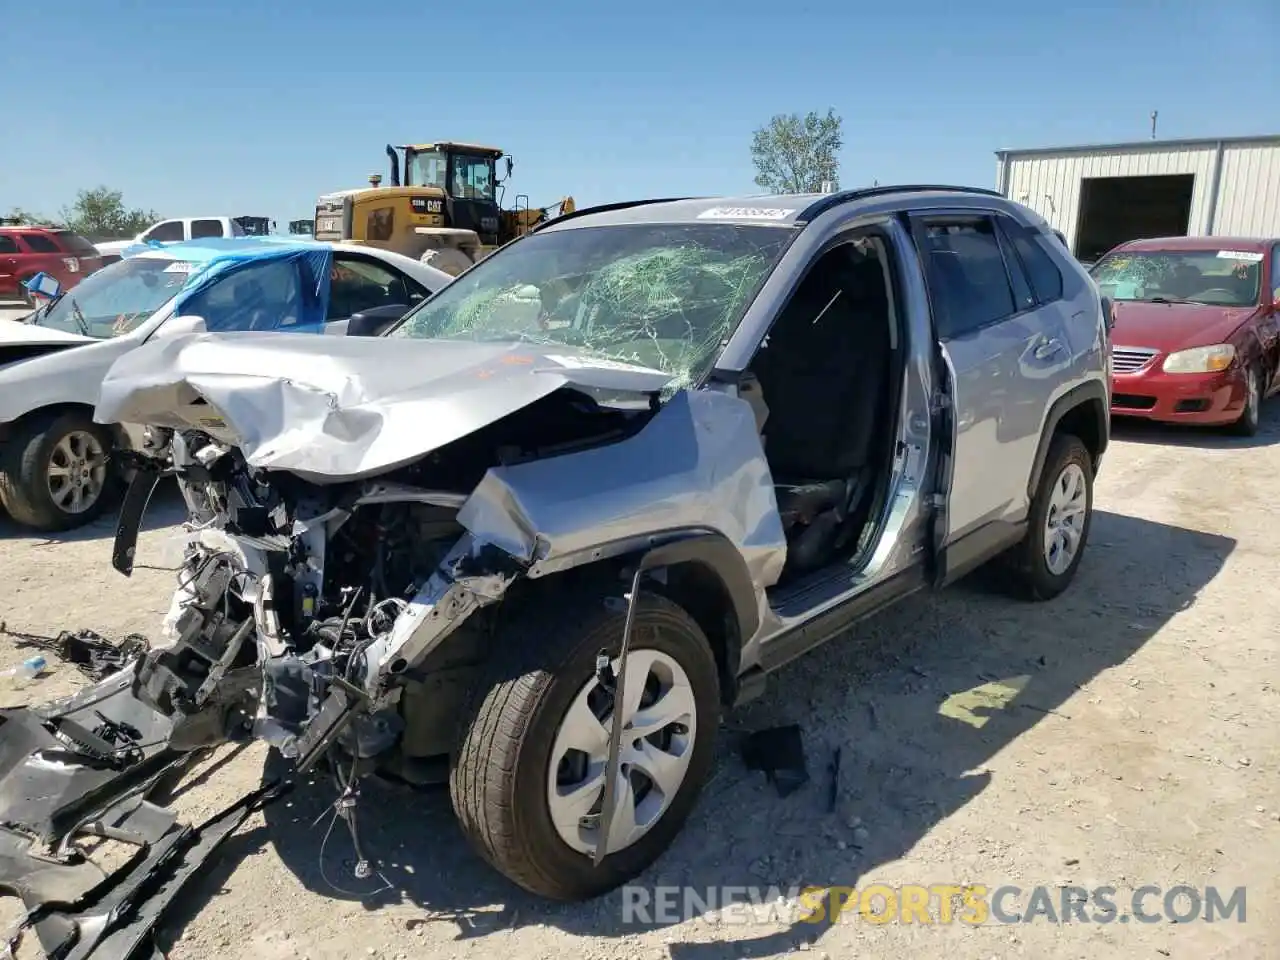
1117	209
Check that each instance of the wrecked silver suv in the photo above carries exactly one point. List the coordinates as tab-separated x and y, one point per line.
539	535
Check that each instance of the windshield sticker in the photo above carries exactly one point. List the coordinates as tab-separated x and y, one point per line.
1240	255
582	363
746	213
180	266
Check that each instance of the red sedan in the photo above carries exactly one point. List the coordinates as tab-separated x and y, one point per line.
1197	328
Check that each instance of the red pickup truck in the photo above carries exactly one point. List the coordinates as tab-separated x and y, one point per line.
26	251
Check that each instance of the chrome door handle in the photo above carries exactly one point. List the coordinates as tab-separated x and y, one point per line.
1048	349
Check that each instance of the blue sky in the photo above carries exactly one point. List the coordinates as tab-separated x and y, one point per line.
257	107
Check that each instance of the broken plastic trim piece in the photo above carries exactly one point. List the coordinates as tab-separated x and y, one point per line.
132	510
117	923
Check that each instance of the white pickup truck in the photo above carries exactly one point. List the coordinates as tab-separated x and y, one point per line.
169	231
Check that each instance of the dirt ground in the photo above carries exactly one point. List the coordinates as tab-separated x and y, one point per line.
1142	749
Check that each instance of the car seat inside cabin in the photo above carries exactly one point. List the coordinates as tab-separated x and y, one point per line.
822	390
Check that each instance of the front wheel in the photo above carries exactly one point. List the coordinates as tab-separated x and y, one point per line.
1251	416
1045	562
528	778
54	471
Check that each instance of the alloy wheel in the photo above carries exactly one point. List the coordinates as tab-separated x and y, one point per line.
659	721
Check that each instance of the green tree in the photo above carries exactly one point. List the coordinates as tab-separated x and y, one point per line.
795	154
100	214
23	218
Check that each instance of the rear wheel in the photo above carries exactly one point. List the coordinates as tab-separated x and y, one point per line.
528	778
1058	523
54	471
1251	416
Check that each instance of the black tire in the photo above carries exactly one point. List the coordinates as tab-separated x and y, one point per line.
498	773
1033	579
1251	417
24	463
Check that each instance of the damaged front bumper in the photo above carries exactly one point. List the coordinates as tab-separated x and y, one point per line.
84	768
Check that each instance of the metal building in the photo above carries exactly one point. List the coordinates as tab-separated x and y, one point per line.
1102	195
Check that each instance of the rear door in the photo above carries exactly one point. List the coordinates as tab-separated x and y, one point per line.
8	264
999	349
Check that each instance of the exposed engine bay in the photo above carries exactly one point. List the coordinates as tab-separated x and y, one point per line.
308	615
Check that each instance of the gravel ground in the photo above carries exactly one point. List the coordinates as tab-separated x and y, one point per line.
1142	749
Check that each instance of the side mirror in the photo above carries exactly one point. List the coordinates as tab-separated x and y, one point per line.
177	326
376	320
1109	313
44	286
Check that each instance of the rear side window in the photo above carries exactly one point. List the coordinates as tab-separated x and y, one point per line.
205	228
8	244
968	284
1045	277
38	243
74	243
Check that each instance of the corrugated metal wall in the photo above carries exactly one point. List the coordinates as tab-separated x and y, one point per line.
1248	201
1249	196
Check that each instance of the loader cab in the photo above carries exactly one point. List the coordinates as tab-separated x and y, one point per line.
467	174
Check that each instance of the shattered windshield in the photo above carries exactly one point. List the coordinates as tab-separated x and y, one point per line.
116	299
664	296
1230	278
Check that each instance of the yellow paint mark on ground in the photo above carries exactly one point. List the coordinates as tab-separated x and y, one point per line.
988	697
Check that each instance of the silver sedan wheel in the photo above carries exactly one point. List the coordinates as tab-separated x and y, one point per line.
1064	523
659	727
77	472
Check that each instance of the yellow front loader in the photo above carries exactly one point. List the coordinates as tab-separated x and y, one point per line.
445	211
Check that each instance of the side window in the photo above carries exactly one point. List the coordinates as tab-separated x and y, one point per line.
205	228
1275	273
37	243
1045	277
8	244
968	284
1023	296
356	285
76	244
262	296
166	232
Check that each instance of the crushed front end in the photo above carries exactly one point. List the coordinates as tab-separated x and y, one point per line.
303	611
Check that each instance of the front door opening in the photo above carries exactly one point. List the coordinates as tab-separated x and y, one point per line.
1114	210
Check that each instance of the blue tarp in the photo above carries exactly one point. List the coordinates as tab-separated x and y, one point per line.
294	297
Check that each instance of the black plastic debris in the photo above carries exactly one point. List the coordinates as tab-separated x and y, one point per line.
93	654
779	753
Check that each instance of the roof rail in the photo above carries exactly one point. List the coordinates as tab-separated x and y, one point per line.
607	207
832	200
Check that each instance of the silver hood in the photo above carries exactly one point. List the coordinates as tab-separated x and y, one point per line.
332	409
